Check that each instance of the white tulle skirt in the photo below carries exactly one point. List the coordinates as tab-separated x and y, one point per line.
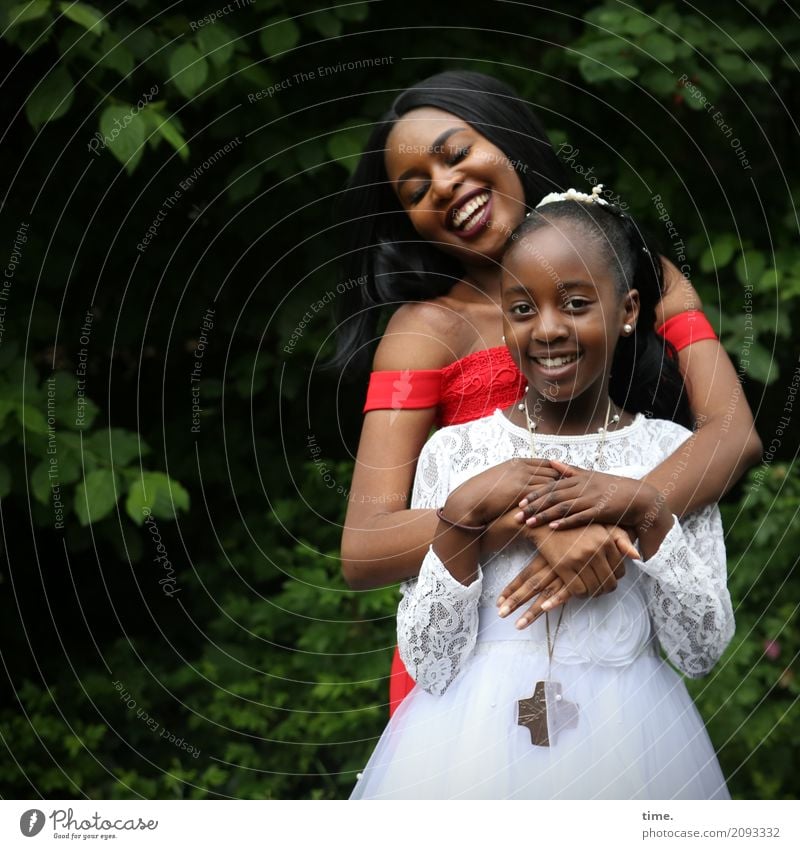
638	735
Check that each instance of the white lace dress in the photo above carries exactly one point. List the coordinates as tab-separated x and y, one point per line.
638	735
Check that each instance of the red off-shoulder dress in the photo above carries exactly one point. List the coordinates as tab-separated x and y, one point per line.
471	388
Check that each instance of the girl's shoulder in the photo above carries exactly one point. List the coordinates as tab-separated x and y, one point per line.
663	436
464	438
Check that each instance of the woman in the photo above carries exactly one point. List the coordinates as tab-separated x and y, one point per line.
447	175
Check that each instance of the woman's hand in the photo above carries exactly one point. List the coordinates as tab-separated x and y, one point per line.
492	493
581	562
581	496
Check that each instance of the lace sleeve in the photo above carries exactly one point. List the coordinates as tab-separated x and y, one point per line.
687	592
437	625
437	620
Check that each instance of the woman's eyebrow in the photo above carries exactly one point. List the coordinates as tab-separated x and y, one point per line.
437	143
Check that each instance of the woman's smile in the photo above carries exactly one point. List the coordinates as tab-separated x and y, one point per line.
470	214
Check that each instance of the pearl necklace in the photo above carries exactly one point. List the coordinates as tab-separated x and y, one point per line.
603	431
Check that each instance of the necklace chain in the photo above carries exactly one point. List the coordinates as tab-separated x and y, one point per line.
551	644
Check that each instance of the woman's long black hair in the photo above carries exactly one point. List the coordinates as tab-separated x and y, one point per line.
383	255
644	374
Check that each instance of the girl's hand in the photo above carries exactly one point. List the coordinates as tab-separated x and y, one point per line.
492	493
581	496
581	562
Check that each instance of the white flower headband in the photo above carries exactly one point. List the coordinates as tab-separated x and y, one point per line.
574	194
594	197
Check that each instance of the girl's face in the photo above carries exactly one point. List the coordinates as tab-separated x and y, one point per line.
459	190
562	314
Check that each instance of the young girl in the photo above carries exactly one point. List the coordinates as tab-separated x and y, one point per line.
579	705
444	145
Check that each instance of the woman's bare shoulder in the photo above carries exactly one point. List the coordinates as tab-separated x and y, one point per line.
422	335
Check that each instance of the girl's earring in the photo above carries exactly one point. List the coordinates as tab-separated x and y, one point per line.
504	339
627	329
521	406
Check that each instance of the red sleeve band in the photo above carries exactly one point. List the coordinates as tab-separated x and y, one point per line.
686	328
403	390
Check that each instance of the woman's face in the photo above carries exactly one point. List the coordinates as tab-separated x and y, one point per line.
459	190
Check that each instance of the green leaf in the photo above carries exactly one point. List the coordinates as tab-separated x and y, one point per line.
637	23
658	46
352	12
346	146
155	492
166	129
96	495
278	36
327	24
759	364
27	12
719	253
51	99
116	446
189	70
750	266
115	55
123	129
244	182
5	480
87	16
605	67
40	482
31	418
216	43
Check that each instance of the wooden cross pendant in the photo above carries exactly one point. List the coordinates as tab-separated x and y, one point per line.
546	713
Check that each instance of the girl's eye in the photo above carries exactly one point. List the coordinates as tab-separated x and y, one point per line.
521	309
576	303
458	155
417	196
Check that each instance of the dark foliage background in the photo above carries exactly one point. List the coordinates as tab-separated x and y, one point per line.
232	661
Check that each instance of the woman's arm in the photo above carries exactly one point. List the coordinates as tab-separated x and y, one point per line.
384	542
725	443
